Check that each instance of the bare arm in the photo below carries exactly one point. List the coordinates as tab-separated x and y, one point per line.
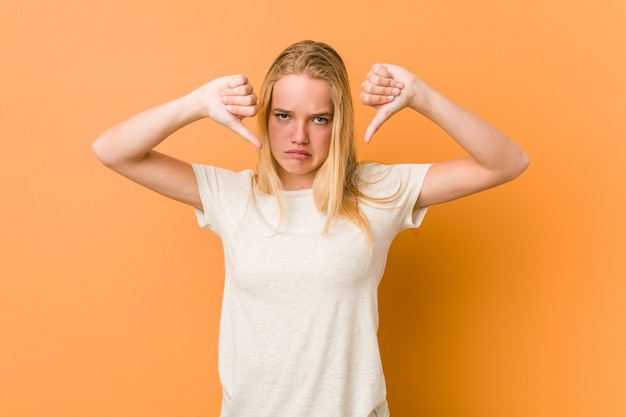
493	158
127	147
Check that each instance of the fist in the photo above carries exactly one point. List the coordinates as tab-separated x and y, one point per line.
227	100
388	89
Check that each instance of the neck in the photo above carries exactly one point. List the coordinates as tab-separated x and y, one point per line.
293	182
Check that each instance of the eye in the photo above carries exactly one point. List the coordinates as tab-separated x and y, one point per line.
282	116
320	120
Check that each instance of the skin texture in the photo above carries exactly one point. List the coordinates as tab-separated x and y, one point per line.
300	127
492	158
127	147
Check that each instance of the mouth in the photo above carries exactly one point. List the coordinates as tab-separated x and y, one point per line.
298	153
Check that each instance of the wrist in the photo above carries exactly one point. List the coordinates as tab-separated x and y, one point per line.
423	98
195	105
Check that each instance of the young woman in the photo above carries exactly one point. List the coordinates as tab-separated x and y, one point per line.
306	237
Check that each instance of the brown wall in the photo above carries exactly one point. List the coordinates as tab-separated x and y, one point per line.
508	303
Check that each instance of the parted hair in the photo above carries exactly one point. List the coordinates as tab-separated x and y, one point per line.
335	188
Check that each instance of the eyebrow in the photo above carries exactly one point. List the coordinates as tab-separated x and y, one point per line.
322	114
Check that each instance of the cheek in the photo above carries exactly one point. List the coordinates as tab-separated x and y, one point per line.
274	133
271	127
324	143
275	130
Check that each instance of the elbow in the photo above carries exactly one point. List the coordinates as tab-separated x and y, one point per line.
113	155
98	147
106	153
520	164
523	163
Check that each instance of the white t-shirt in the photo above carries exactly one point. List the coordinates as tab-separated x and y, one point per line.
299	322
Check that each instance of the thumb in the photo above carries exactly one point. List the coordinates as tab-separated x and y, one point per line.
380	117
239	128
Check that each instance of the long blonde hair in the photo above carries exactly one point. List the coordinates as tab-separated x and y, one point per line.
335	188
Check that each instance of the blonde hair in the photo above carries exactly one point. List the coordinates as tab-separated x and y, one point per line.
335	188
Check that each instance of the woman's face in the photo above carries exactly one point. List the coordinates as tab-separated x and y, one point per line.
300	128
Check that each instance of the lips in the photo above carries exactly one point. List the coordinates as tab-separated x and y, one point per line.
298	153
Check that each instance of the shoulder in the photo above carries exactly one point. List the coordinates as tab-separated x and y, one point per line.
397	187
222	173
371	174
222	180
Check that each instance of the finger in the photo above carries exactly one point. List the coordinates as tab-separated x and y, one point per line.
374	99
248	135
380	75
245	100
239	128
242	111
381	70
384	81
237	80
240	90
378	120
379	90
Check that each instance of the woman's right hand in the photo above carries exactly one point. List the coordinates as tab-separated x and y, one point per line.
128	147
227	100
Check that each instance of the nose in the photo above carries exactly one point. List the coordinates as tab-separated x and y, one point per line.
299	135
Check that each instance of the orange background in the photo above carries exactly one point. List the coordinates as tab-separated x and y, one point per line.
508	303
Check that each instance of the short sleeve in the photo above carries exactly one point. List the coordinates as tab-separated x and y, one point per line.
415	175
219	188
397	187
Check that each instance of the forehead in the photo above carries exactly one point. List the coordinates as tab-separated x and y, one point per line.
302	92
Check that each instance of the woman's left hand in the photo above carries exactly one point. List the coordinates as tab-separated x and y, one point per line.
492	157
388	89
